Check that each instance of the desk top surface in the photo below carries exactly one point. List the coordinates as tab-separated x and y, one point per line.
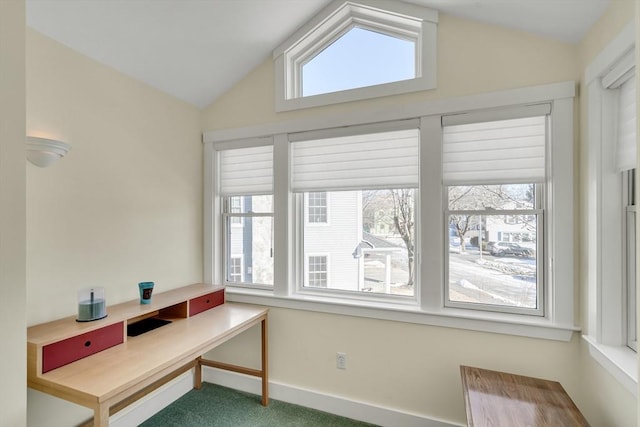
497	399
107	373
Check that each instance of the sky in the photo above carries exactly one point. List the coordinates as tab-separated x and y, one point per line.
359	58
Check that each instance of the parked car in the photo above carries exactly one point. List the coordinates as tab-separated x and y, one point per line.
506	248
488	246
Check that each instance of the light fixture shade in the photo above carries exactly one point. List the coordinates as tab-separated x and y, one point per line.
42	151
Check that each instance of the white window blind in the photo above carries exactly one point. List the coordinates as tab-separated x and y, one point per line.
368	161
626	126
246	171
494	152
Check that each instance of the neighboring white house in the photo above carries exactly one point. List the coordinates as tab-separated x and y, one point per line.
332	231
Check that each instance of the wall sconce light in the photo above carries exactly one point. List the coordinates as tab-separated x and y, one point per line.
42	151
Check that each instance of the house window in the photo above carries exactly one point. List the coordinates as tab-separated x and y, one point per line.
363	175
246	179
496	173
235	269
317	271
235	206
357	50
317	207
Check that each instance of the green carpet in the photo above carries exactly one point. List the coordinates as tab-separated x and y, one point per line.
218	406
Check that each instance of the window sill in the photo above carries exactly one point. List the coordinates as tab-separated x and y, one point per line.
620	362
500	323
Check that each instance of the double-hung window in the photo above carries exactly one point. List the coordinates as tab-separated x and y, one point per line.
625	149
458	214
610	215
367	177
246	187
494	172
613	163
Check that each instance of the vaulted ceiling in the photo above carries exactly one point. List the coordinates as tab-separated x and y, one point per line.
196	50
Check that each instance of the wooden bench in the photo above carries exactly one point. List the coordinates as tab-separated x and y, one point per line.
499	399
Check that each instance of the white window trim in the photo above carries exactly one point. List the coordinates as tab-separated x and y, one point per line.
540	268
215	270
385	16
557	324
606	335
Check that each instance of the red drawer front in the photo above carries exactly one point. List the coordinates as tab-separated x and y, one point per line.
66	351
205	302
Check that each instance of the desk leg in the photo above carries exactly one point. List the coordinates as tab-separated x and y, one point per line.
197	377
101	415
265	363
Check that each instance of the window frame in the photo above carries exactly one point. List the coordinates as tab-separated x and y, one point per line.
214	210
558	321
629	268
396	19
541	236
360	134
606	333
226	250
301	262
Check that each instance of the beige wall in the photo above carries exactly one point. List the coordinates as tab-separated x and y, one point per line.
124	206
13	391
408	367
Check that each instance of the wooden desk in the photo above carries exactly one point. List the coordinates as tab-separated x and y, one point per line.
111	379
499	399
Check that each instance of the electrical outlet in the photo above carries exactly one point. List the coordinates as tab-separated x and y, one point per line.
341	360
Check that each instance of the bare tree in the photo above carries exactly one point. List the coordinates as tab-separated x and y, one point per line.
404	223
487	198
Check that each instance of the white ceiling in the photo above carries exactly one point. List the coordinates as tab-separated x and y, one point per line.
196	50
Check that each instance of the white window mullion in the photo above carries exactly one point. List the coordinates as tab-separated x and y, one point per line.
430	263
283	221
560	216
212	220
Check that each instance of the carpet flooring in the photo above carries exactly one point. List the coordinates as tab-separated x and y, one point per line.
217	406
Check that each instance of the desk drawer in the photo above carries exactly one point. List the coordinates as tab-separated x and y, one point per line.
205	302
75	348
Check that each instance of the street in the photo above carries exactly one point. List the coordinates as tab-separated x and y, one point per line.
509	281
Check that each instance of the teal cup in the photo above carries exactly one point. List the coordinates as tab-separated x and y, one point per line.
145	292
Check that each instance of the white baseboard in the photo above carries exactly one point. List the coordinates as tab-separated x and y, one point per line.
344	407
145	408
